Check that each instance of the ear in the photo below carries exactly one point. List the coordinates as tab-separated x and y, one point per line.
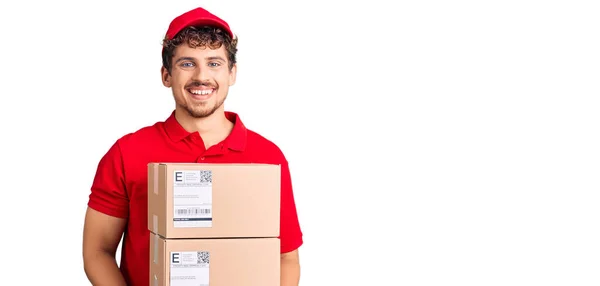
166	77
232	74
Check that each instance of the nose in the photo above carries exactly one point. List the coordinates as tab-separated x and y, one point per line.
201	74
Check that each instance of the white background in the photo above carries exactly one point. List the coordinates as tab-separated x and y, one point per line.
430	142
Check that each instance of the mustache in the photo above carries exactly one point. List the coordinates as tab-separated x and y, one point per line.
199	83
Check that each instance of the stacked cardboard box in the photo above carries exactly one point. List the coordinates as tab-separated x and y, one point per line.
214	224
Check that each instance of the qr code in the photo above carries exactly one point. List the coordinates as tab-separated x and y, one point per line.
206	176
203	257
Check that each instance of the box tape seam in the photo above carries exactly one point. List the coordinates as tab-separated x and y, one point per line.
156	179
155	248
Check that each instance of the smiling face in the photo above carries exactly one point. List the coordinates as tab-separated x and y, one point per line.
199	69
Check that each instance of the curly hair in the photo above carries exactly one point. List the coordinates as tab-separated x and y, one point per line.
206	36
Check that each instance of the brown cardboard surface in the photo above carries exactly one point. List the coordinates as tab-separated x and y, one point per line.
245	200
231	262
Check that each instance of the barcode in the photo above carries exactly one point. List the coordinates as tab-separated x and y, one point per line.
203	257
192	211
206	176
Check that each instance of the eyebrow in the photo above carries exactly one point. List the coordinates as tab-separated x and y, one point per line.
215	58
184	59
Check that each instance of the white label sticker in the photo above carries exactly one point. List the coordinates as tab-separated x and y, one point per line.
190	268
192	198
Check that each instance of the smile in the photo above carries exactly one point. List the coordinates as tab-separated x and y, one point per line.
201	94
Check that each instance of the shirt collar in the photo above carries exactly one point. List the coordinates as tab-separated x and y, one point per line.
235	141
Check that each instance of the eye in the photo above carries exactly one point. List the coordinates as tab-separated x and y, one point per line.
214	64
187	64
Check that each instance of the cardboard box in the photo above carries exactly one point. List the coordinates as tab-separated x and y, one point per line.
196	200
214	262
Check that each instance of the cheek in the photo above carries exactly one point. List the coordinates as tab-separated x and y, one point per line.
223	79
179	79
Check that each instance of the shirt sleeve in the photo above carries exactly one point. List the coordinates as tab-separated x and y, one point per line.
108	193
290	232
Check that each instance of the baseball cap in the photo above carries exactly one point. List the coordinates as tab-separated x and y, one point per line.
196	17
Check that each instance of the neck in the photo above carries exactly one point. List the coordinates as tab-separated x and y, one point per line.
213	129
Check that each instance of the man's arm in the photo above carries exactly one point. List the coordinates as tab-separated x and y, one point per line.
101	236
290	233
290	268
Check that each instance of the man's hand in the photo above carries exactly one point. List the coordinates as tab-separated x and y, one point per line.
290	268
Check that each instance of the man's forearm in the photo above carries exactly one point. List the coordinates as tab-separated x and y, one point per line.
102	270
290	273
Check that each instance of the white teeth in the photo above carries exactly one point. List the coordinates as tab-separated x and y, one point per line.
201	92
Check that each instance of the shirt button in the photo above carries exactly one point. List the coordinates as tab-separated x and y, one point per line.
202	158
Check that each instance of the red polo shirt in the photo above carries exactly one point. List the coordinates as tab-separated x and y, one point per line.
120	185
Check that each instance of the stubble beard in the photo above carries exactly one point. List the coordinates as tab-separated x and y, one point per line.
200	110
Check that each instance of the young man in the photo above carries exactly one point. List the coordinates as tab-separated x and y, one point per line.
199	65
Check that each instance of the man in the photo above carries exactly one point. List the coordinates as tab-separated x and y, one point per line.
199	65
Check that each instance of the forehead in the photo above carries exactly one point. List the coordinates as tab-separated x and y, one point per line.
199	52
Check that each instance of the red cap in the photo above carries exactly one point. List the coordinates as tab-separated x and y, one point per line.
196	17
